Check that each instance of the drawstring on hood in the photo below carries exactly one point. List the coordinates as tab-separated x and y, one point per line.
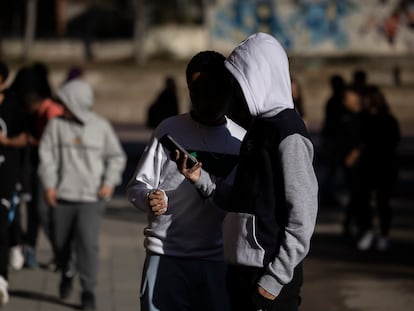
261	67
77	96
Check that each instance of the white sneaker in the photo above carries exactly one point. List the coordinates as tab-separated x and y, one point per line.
16	258
4	294
365	242
383	244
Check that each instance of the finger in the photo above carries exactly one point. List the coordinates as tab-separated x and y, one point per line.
160	212
195	167
175	155
185	158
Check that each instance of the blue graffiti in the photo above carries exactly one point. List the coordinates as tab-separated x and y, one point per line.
320	21
243	17
323	20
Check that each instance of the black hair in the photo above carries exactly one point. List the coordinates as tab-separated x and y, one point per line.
4	71
337	83
205	61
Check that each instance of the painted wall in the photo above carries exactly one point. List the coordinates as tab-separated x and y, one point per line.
320	26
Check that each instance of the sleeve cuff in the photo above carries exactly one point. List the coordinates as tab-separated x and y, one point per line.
270	284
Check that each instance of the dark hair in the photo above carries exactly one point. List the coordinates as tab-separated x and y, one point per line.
375	99
359	76
337	84
4	71
206	61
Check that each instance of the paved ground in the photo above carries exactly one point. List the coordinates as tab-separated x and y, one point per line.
337	277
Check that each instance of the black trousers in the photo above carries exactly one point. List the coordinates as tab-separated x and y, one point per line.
4	241
242	288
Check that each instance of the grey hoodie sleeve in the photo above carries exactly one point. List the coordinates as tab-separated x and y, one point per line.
49	156
216	189
301	188
147	174
114	158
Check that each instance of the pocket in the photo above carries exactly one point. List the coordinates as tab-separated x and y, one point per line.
240	242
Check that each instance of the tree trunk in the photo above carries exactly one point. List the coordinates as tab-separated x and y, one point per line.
30	29
139	28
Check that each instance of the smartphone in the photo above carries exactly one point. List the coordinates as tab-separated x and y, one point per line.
168	142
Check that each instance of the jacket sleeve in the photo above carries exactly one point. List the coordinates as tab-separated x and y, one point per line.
301	188
216	189
49	156
147	174
114	158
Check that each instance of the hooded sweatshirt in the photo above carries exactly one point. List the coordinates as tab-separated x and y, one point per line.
78	156
273	202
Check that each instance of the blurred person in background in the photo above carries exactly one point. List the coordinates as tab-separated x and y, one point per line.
381	136
351	136
81	161
32	87
359	81
332	141
12	137
166	104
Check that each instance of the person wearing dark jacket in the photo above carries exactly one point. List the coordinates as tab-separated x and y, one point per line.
331	141
12	137
350	135
273	203
166	104
381	136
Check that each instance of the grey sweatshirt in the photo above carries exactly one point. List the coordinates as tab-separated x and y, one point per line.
191	227
78	157
274	203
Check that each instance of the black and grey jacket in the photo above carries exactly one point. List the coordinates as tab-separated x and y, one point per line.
273	206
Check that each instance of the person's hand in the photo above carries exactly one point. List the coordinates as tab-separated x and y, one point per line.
193	173
105	192
265	293
352	157
51	197
3	139
157	202
31	140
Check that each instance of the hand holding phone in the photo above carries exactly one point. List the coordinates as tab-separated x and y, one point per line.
168	142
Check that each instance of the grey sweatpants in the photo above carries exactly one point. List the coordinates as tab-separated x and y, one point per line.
76	226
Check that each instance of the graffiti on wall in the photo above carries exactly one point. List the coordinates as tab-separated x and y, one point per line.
326	26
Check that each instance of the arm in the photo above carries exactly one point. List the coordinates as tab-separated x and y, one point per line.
301	187
49	162
17	141
208	185
147	176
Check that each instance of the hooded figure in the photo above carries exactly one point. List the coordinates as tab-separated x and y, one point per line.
79	153
273	203
81	161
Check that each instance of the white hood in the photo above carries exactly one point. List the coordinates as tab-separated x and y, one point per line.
77	95
261	67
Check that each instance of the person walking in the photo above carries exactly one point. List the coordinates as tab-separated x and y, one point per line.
184	267
81	161
165	105
273	204
12	137
379	167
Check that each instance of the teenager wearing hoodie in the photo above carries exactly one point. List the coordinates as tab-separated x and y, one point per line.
273	206
81	161
184	266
